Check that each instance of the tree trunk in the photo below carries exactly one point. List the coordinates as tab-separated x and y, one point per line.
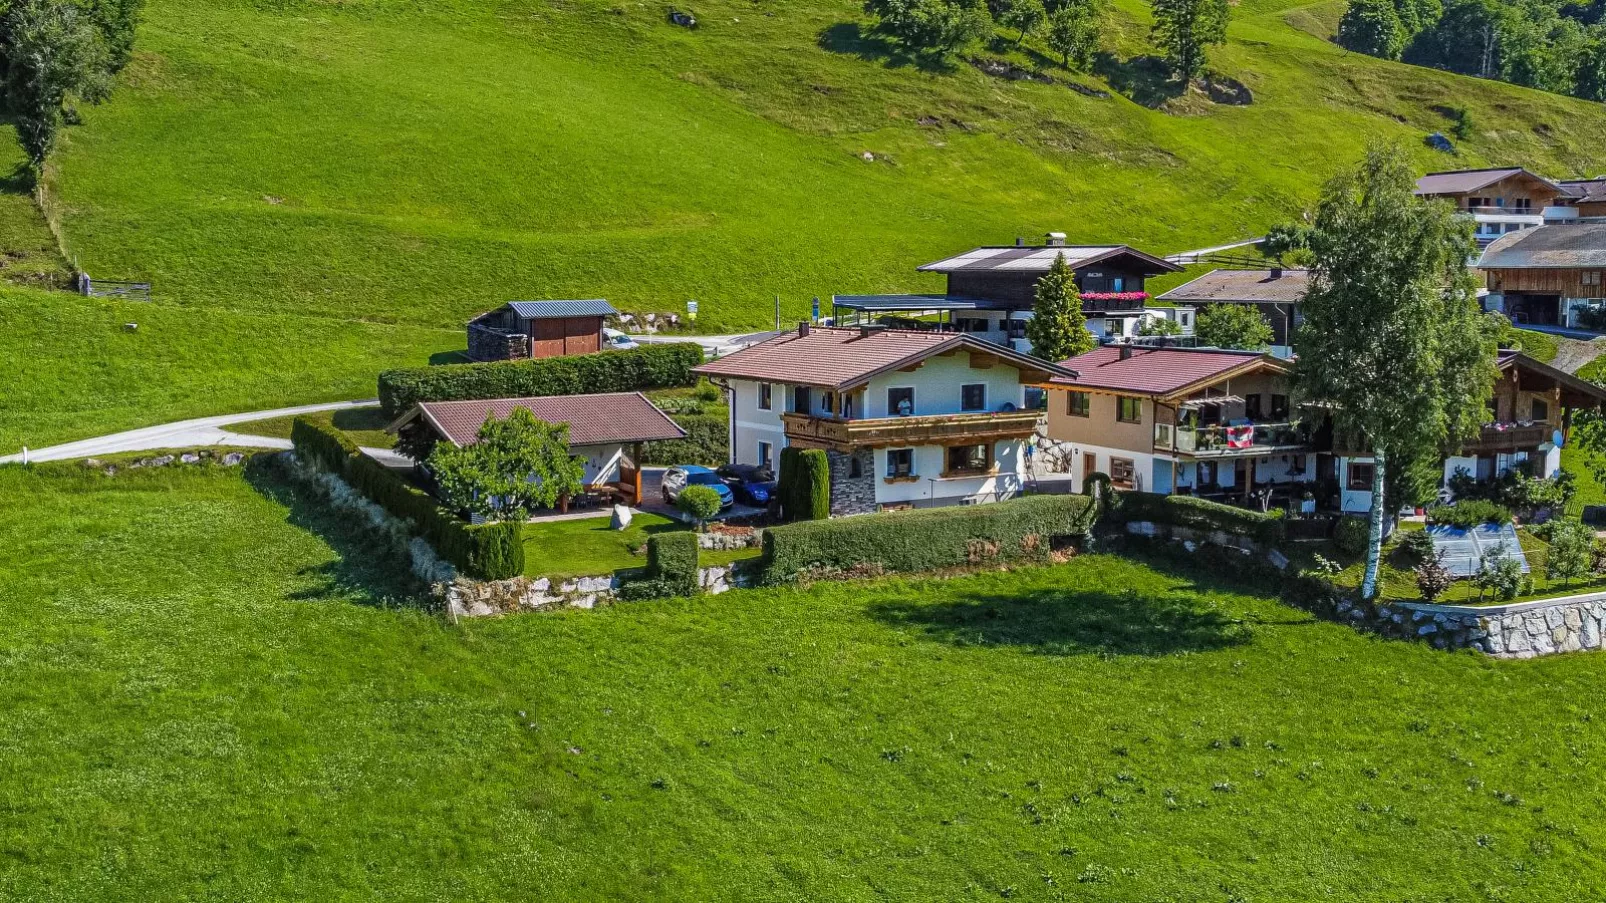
1374	536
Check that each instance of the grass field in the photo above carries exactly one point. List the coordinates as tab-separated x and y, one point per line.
587	547
209	701
319	190
364	426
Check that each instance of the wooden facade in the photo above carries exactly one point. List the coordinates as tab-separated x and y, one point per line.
523	330
1021	288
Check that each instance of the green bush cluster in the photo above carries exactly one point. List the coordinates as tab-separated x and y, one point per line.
707	442
672	560
486	551
1351	535
647	367
803	486
1469	513
925	540
1201	514
1416	546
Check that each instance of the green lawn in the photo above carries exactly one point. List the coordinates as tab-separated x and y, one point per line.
207	700
1399	579
1540	346
588	546
364	426
319	190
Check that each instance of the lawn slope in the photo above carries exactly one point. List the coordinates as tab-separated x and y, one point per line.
207	701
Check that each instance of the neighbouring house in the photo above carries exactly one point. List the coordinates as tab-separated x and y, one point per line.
525	329
1206	422
606	430
907	418
991	292
1500	201
1550	275
1586	198
1275	292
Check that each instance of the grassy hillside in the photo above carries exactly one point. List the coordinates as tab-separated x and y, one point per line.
206	701
389	163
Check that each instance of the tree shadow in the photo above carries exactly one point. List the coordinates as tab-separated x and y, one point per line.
368	570
851	39
20	181
1070	622
1145	80
449	357
359	419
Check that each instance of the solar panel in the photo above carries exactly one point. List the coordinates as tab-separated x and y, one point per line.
1463	550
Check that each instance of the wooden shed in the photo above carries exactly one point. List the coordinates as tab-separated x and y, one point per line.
528	329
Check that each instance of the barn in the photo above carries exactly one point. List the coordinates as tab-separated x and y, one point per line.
524	329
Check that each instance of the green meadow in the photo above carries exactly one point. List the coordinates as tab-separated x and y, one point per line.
235	699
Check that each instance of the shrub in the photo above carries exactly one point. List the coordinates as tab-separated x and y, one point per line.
1350	535
707	442
1469	513
672	560
1432	577
1187	511
1417	546
804	484
649	588
926	540
699	503
1498	573
1571	550
647	367
487	552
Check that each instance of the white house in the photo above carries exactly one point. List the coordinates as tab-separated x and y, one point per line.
907	418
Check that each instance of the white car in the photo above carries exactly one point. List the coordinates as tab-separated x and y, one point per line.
614	340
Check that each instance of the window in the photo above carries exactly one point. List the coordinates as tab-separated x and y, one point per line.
1523	205
800	399
973	397
1129	410
1279	407
827	403
766	398
968	459
855	469
1252	406
901	402
900	463
764	449
1184	318
1114	327
1360	477
1592	277
1117	283
1078	404
1122	472
1541	411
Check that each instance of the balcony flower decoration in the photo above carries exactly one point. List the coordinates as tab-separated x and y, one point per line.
1115	296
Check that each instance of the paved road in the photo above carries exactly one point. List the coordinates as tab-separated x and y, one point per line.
196	433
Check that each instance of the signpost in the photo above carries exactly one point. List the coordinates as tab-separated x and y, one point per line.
691	310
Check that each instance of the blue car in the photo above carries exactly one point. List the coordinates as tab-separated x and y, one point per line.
680	476
753	484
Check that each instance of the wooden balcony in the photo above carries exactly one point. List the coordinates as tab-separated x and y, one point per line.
1222	441
838	434
1509	437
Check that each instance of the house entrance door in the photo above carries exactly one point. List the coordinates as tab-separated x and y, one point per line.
1090	466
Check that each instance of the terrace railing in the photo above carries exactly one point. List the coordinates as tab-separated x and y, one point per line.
1228	441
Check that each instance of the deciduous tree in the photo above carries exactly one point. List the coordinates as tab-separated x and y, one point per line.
930	26
519	465
1233	326
1057	329
1392	341
1025	16
54	56
1185	29
1073	32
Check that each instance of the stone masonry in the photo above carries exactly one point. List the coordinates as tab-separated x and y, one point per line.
850	494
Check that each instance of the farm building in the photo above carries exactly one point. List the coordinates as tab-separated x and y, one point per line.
526	329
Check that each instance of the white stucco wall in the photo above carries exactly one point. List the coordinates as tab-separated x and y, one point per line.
753	425
929	461
937	385
601	462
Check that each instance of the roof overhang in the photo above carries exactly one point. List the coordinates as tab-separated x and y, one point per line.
1582	392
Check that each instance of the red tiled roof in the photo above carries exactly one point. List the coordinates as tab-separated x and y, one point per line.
1242	286
838	358
617	417
1151	371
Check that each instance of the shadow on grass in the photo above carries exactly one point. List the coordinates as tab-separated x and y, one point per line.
368	570
1068	622
1143	79
449	357
359	419
851	39
20	181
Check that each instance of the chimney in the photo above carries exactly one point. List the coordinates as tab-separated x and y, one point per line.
1277	272
803	329
867	330
1056	239
1126	352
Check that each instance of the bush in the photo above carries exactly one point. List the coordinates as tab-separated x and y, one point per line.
1350	535
1469	513
707	442
699	503
804	484
649	588
1417	546
1432	577
647	367
1571	554
1498	573
1187	511
486	552
926	540
672	560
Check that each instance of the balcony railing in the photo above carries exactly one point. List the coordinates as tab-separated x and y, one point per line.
1110	305
929	429
1510	437
1221	440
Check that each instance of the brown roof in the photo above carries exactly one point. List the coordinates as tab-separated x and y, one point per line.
1577	392
618	417
1586	191
1461	181
1569	246
1038	258
1158	371
837	358
1243	287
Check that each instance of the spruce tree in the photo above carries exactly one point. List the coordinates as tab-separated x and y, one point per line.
1057	329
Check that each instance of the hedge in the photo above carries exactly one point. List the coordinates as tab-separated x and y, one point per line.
672	558
1201	514
647	367
707	442
1469	513
804	484
925	540
487	551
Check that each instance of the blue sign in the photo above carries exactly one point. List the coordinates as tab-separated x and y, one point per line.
816	307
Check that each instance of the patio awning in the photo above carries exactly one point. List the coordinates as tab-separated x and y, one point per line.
1212	401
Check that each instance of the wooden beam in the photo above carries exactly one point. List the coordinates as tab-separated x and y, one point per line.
981	361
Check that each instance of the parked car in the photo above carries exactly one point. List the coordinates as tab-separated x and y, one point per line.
680	476
614	340
753	484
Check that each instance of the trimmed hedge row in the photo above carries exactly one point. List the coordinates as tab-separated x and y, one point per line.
1201	514
925	540
707	442
672	558
486	552
647	367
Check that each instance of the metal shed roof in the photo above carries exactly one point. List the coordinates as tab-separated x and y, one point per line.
1569	246
548	310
